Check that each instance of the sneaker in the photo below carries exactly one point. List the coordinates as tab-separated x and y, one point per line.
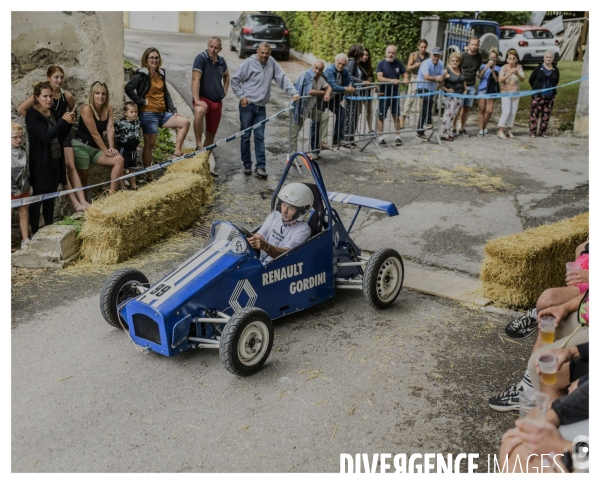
485	132
422	137
522	326
506	401
398	142
454	133
261	173
481	134
382	142
247	170
463	132
25	243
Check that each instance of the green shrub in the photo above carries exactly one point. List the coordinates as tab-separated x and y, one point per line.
326	34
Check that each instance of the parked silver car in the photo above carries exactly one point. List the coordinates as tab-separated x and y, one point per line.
530	42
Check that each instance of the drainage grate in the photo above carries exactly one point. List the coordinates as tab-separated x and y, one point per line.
200	231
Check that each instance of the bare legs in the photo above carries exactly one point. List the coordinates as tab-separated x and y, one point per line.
182	124
199	113
24	221
78	198
116	164
486	108
149	143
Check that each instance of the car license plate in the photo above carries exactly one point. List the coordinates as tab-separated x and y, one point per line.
273	46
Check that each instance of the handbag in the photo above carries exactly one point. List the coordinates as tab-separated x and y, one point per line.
493	86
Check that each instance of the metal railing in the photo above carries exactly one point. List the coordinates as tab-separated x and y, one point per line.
353	121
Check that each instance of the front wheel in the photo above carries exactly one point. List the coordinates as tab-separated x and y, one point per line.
246	341
120	286
383	278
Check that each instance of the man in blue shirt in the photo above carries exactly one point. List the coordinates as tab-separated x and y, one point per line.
389	70
338	77
431	75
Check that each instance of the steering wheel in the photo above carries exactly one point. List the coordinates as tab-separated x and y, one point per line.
248	234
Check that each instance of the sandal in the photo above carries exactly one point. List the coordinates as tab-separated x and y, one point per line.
532	135
501	136
544	135
510	135
149	180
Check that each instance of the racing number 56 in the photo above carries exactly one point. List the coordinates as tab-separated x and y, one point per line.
160	290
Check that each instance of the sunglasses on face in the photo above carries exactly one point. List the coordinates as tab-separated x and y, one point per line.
99	82
153	57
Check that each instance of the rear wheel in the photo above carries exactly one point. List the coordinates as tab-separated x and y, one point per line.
231	46
285	56
246	341
383	278
120	286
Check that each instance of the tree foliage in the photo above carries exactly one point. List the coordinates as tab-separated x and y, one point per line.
325	34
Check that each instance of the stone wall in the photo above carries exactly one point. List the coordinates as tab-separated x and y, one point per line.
87	45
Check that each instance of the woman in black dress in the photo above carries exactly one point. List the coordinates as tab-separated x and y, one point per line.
62	101
46	160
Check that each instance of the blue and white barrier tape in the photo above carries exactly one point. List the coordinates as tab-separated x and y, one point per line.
497	95
19	202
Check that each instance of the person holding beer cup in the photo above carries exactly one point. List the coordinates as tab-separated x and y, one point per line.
560	368
571	329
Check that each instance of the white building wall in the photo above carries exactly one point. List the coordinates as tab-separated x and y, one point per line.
160	21
214	23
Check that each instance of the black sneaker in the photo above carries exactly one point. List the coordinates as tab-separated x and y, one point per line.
247	170
454	133
261	173
463	132
522	326
398	142
506	401
382	142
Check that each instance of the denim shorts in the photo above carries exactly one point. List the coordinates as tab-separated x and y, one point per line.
152	121
468	102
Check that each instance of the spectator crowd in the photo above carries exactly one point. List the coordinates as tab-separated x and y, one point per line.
60	154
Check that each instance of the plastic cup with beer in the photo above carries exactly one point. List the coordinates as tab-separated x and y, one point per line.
547	327
547	366
533	407
573	266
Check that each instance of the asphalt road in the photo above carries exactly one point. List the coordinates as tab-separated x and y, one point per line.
342	378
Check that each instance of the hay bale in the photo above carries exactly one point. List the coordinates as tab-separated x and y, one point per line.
122	224
519	267
198	165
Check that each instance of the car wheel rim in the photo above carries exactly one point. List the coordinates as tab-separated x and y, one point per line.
253	343
388	279
127	291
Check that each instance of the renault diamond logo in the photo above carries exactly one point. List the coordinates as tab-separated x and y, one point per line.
243	285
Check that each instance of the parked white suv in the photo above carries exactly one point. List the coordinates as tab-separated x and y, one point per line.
529	41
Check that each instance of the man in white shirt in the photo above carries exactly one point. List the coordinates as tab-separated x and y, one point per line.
285	227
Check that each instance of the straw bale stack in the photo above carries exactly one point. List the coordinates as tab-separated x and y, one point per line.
519	267
122	224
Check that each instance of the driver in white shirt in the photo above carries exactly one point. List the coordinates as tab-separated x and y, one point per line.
285	227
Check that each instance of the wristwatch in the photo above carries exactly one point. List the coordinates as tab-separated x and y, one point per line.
568	459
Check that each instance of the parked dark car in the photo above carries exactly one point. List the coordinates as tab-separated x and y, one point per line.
252	28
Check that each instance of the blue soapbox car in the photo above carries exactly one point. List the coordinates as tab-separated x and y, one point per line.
224	297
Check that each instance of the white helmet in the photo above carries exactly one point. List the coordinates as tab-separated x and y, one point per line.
297	195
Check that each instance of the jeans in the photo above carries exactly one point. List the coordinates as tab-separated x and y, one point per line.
340	115
426	109
249	116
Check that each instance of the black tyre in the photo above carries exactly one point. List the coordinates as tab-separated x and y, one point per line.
231	47
246	341
241	51
383	278
119	287
285	56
